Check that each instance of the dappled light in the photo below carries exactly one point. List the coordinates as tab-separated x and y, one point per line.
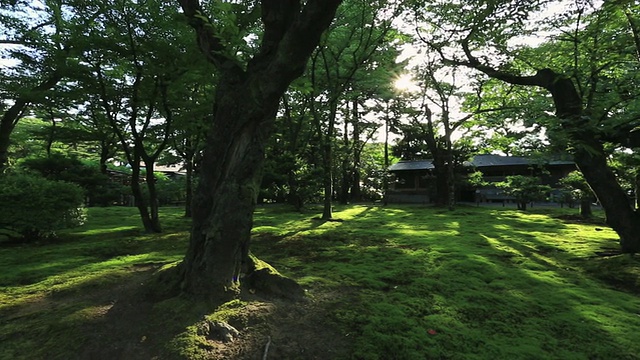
406	280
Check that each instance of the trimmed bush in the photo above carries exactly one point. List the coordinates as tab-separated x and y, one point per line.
34	208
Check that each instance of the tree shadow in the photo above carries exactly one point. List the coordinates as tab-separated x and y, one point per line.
484	285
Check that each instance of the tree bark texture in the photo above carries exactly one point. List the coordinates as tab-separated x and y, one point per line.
225	198
245	107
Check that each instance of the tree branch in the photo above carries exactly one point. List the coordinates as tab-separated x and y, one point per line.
300	40
565	96
209	40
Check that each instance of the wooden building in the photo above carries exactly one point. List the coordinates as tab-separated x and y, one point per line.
414	180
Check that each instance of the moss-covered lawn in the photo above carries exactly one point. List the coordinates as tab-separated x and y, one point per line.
476	283
399	282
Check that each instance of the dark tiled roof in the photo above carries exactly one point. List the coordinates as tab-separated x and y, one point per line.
478	161
497	160
411	165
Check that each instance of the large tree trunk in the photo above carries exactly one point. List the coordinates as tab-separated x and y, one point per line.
226	195
620	214
246	104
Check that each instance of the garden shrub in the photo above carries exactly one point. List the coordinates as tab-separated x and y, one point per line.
34	208
99	190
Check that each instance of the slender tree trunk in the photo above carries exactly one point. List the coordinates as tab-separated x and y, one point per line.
356	193
345	184
327	162
188	203
150	225
294	197
385	179
154	211
52	133
636	188
327	181
522	205
442	179
451	179
104	156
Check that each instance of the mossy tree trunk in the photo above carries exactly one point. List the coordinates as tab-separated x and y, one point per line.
245	106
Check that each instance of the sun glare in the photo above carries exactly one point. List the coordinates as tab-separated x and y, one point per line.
405	83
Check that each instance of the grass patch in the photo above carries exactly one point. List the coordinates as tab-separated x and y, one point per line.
472	283
50	293
402	282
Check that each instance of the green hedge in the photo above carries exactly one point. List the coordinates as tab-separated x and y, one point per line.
34	208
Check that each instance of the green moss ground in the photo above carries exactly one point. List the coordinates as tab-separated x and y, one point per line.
405	282
475	283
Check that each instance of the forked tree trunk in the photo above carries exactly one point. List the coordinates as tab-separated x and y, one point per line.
150	220
245	107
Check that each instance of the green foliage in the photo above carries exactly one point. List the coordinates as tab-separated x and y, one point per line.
524	189
35	208
171	190
476	179
575	187
98	188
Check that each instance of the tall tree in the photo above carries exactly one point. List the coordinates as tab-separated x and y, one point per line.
245	105
361	28
590	88
39	39
133	69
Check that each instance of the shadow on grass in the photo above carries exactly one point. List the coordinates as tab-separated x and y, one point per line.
473	283
53	294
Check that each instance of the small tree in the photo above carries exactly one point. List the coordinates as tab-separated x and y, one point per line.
575	185
524	189
34	208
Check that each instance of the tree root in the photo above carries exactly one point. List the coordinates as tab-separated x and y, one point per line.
261	277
